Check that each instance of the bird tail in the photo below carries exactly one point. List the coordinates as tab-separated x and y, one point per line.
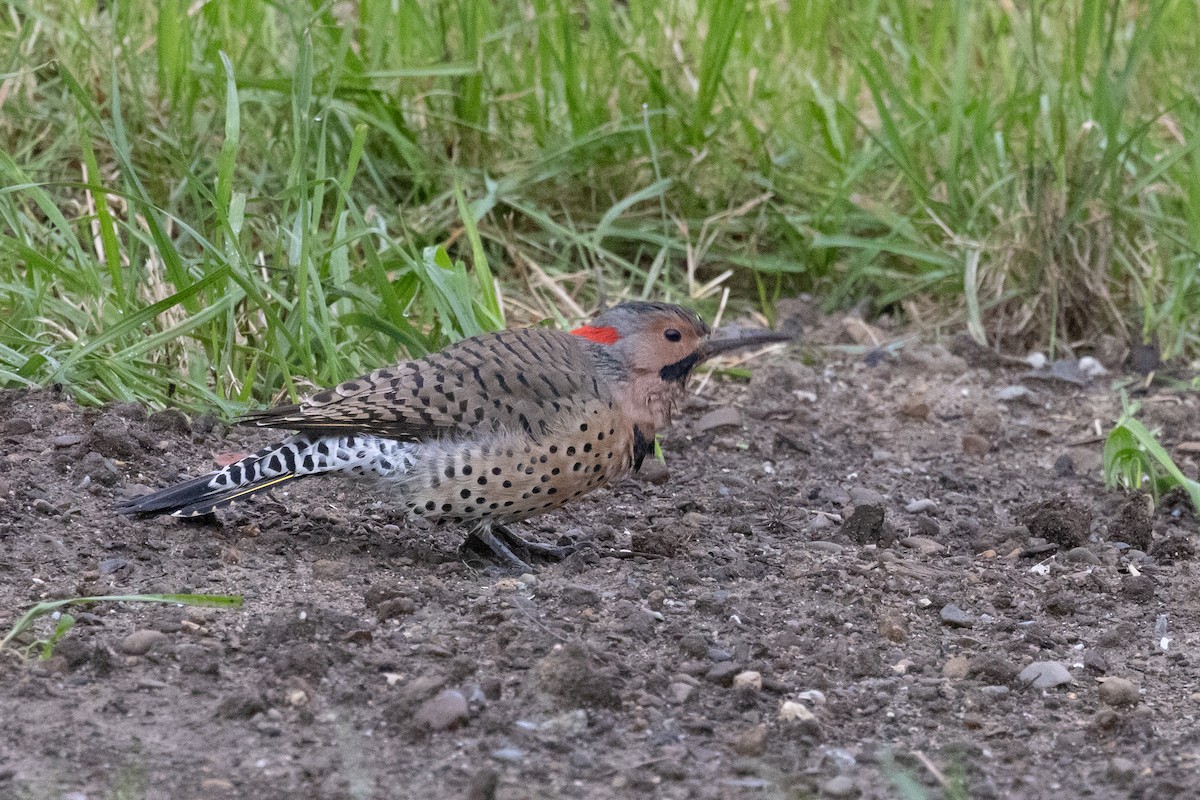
295	457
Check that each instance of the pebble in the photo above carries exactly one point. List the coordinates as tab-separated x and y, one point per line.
865	525
954	617
722	673
1119	692
975	445
1045	675
143	641
791	711
839	786
919	505
18	426
513	755
892	628
330	570
717	654
862	496
678	693
1082	555
751	742
834	495
820	522
443	711
748	681
956	668
66	440
654	471
1121	770
724	417
923	545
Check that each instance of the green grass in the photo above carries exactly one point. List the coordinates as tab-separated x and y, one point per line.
219	203
1135	461
64	622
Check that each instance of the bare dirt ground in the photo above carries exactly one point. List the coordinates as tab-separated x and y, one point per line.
839	589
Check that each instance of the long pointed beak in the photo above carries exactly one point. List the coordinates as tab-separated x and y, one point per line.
748	338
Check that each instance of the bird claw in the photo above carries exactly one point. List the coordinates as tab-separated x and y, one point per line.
505	545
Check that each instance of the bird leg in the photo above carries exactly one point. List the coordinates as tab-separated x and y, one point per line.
504	545
550	552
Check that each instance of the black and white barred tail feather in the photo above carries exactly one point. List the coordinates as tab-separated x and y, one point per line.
296	457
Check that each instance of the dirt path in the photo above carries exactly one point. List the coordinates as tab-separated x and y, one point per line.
846	566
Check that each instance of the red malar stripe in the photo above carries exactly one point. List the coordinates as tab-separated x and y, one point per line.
601	335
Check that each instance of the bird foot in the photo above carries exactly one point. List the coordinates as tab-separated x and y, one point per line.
508	547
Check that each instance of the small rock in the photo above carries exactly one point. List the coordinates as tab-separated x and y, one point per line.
923	545
445	710
1010	393
1119	692
654	471
834	495
483	785
865	525
751	742
216	786
98	468
66	440
1058	519
513	755
572	723
1121	770
820	522
791	711
241	703
862	496
993	667
18	426
892	628
577	594
839	786
718	654
1082	555
722	673
198	659
169	419
395	607
915	407
678	693
723	417
330	570
141	642
975	445
919	505
954	617
956	668
748	681
1045	675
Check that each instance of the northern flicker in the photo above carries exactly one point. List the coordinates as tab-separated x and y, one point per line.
489	431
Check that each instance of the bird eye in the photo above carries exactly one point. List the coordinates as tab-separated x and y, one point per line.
672	335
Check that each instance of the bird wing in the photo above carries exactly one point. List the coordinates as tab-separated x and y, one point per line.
511	380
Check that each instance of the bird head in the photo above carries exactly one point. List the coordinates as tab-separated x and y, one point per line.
663	339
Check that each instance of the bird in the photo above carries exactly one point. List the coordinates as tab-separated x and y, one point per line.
490	431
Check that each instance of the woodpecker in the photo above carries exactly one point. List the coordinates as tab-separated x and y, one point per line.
491	430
